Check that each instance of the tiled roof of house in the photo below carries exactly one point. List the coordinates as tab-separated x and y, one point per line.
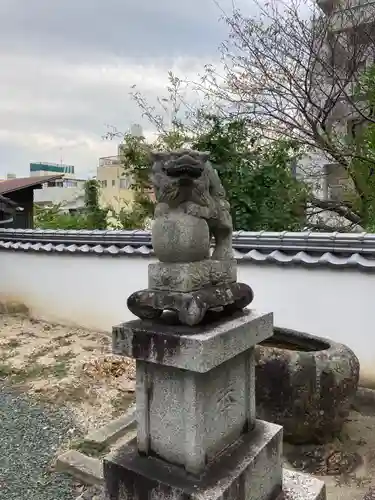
336	250
11	185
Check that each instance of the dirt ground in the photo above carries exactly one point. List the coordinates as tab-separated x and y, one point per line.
66	365
75	367
347	464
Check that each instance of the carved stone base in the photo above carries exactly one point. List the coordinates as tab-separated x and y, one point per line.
191	307
191	276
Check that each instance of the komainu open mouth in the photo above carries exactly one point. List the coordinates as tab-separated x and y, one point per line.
186	166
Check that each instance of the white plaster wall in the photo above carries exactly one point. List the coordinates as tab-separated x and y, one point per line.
92	291
59	195
88	291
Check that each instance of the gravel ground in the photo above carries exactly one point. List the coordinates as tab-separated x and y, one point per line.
67	366
30	435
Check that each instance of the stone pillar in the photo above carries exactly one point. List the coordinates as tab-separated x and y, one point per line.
197	434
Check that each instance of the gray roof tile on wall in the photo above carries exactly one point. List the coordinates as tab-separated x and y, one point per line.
310	249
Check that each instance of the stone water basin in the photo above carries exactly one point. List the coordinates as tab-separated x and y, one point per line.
306	384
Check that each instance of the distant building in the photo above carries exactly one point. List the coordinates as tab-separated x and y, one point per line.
66	191
351	29
44	168
136	130
115	185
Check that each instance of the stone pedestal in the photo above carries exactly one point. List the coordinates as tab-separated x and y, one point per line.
191	289
195	393
197	434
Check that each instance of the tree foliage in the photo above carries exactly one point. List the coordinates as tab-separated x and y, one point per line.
362	192
257	175
293	74
92	215
53	217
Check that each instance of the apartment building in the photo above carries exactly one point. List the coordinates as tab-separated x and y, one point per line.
349	40
67	191
115	185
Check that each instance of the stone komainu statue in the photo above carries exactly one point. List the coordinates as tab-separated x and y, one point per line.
191	209
186	181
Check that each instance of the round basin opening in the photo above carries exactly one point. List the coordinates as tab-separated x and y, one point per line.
294	341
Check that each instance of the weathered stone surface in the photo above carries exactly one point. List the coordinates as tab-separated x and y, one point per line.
187	418
191	210
297	486
198	348
191	307
248	470
187	277
89	470
179	237
306	384
113	430
186	184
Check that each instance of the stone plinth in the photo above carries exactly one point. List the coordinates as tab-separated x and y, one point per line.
199	348
195	386
249	470
197	433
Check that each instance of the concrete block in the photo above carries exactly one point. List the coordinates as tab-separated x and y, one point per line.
87	469
298	486
187	418
250	469
111	432
189	276
199	348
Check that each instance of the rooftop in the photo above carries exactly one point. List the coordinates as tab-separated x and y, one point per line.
11	185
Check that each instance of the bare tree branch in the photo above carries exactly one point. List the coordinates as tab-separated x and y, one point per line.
295	72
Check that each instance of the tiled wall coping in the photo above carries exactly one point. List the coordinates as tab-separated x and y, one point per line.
306	248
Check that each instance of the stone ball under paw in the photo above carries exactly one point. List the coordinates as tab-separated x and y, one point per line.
180	237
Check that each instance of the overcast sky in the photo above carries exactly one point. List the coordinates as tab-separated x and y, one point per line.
67	67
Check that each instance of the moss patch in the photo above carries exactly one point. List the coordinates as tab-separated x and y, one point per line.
91	449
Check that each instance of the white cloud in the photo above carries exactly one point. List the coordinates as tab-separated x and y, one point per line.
67	69
49	109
